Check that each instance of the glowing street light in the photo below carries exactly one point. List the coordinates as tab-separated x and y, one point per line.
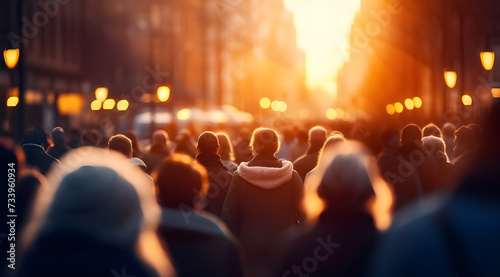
184	114
12	101
466	100
95	105
101	93
390	109
275	105
398	107
283	107
265	103
163	93
331	114
122	105
409	104
487	59
109	104
495	92
450	78
418	102
11	57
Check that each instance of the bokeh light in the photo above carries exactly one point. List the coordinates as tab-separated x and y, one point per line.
398	107
265	103
101	93
95	105
184	114
331	114
487	59
109	104
12	101
390	109
466	100
418	102
450	77
409	104
122	105
163	93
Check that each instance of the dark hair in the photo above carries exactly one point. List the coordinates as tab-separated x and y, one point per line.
431	130
136	147
180	182
208	143
264	141
36	136
121	144
465	135
226	148
411	133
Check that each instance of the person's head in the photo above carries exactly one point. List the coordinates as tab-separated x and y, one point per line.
136	147
302	136
411	134
390	138
477	131
226	148
180	182
264	141
449	130
58	136
208	143
160	137
92	137
121	144
337	139
436	147
103	197
36	136
317	136
465	139
431	130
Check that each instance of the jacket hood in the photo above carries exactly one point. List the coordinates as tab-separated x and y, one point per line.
266	177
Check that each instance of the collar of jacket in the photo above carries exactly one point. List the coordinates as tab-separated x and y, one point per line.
266	177
210	160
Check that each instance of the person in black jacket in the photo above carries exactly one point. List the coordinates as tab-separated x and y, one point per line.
308	161
34	144
208	147
199	243
59	148
263	201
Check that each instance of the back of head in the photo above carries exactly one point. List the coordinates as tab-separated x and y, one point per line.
264	141
58	135
208	143
390	137
317	135
160	137
226	148
36	136
465	137
132	135
121	144
449	130
411	134
435	146
180	182
431	130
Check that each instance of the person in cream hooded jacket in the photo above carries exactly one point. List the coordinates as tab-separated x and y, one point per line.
263	201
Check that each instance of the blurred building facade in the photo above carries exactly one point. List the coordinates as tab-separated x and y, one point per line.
400	49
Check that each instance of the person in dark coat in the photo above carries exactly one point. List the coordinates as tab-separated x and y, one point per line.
445	172
341	241
34	144
157	151
226	152
200	244
465	149
59	148
91	225
308	161
263	201
219	177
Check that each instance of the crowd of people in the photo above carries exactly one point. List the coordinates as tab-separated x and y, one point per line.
279	203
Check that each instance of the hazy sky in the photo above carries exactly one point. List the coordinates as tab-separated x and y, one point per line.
323	28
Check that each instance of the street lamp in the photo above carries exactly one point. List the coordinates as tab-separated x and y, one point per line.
265	103
109	104
12	101
409	104
331	114
398	107
122	105
450	78
418	102
390	109
11	57
466	100
101	93
487	59
163	93
95	105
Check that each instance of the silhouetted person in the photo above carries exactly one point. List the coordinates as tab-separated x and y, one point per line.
301	146
91	137
75	139
445	172
431	130
158	150
454	235
34	144
199	243
263	201
287	145
226	152
390	144
449	138
94	220
333	141
342	239
465	149
184	143
121	144
59	148
308	161
242	151
219	177
136	146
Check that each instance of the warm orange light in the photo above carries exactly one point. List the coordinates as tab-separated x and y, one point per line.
390	109
12	101
11	57
122	105
101	94
340	112
275	105
95	105
184	114
265	103
109	104
331	114
163	93
283	107
450	78
466	100
409	104
69	103
495	92
487	59
398	107
418	102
